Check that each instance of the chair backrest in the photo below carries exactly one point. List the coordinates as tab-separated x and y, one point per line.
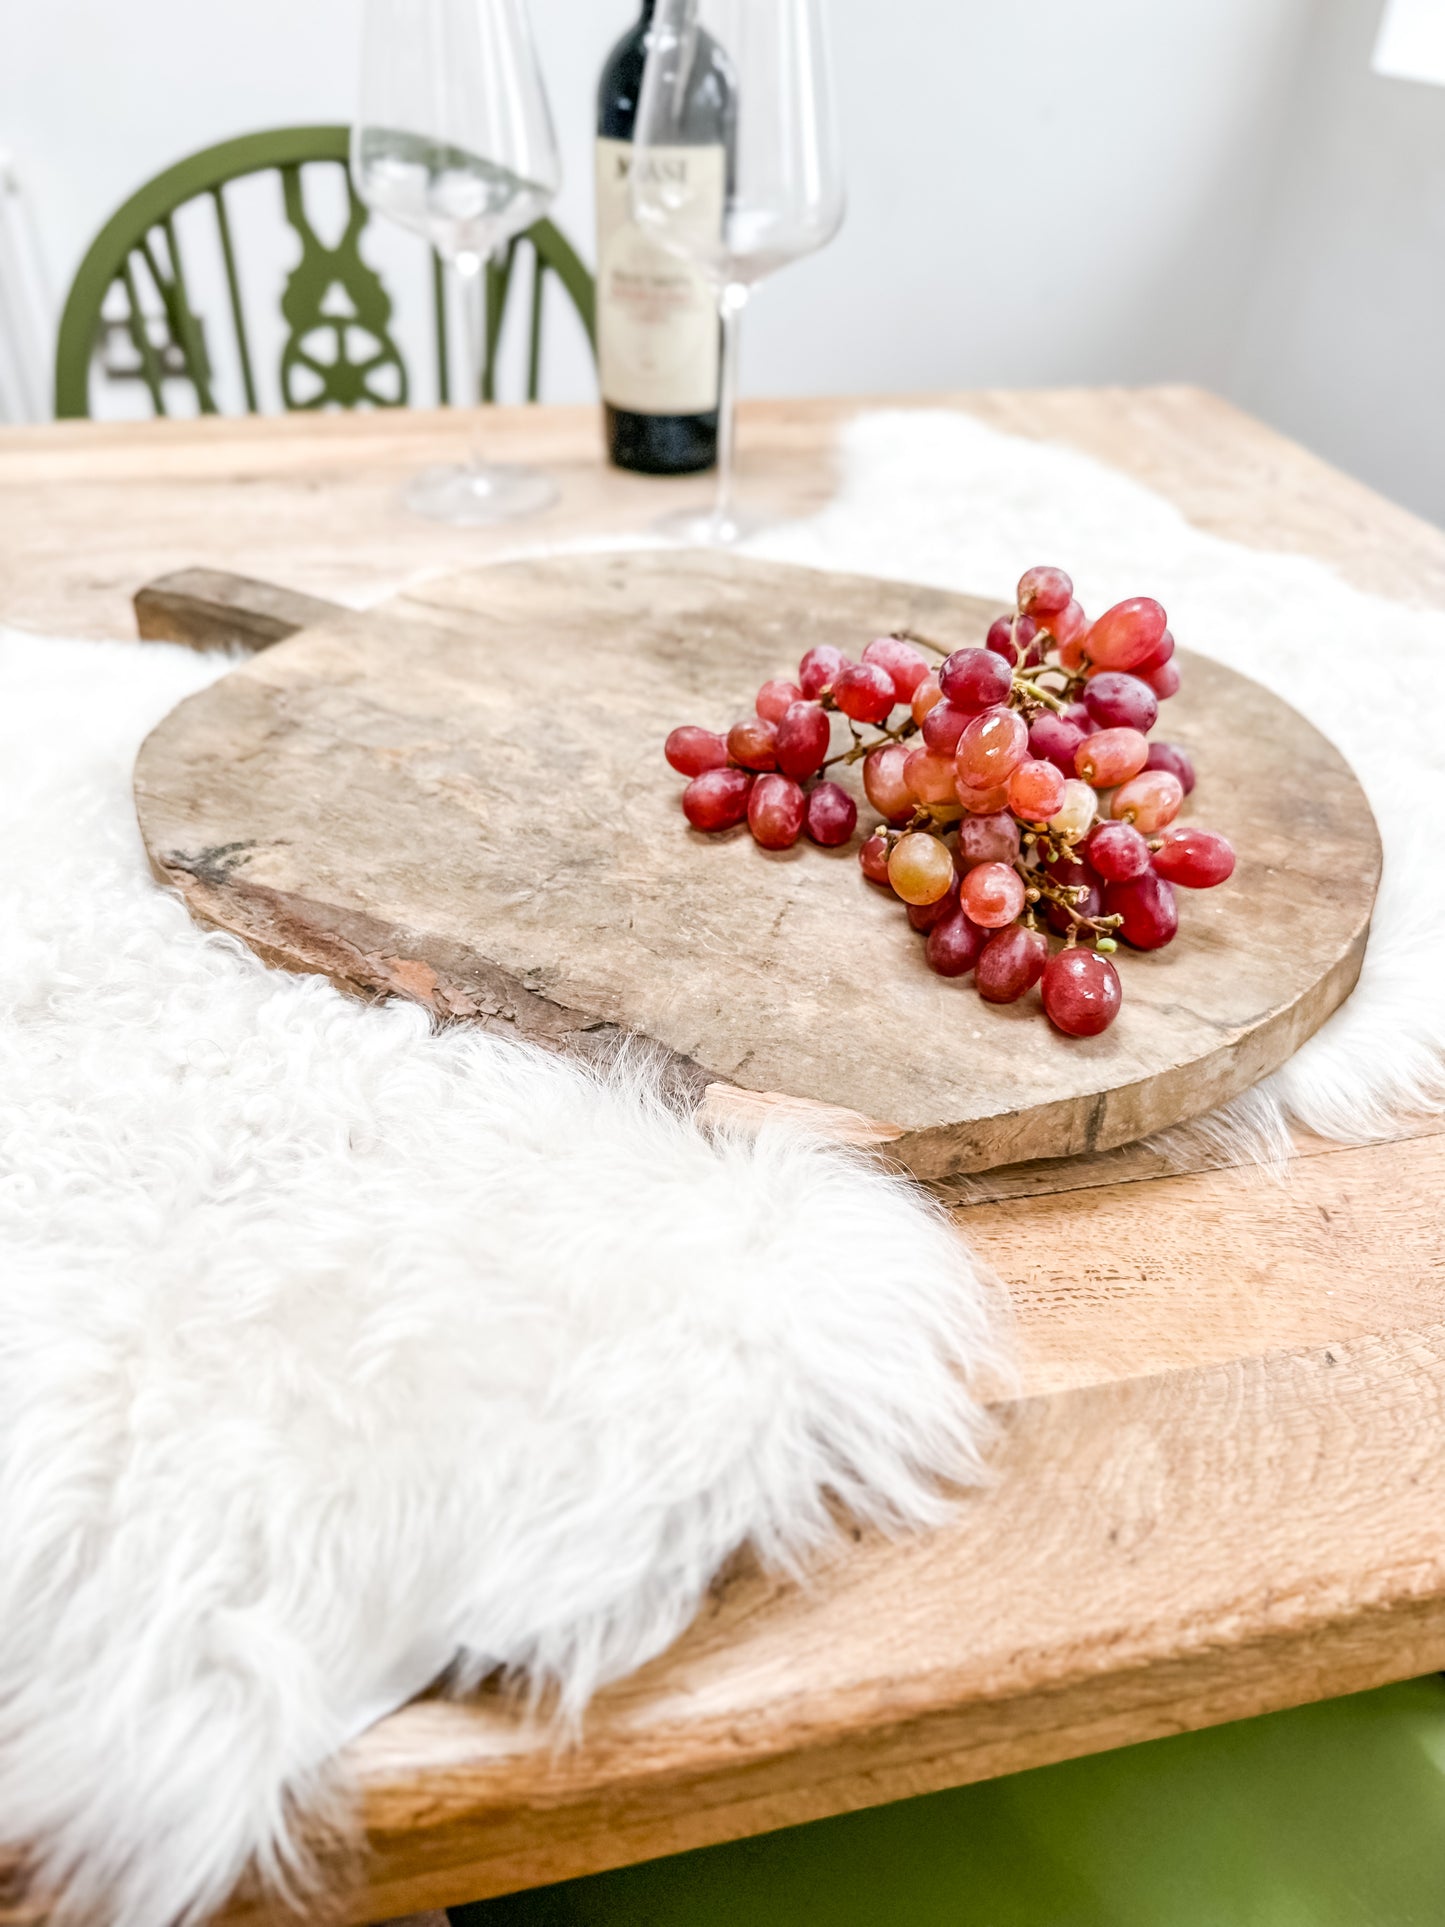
339	349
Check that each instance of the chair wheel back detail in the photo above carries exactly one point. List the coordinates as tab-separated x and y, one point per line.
339	349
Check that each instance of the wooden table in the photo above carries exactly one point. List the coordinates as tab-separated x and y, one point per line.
1223	1490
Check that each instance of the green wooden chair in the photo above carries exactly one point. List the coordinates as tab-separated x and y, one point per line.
339	349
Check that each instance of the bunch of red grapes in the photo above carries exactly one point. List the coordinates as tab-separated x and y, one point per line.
1021	797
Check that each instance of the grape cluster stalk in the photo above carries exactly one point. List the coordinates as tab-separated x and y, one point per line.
1020	796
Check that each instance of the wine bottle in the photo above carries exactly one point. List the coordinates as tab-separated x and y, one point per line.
658	337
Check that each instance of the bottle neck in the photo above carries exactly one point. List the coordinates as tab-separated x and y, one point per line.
647	11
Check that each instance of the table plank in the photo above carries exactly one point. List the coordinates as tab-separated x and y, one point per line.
1220	1489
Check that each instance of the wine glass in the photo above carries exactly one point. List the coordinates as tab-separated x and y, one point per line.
454	140
761	70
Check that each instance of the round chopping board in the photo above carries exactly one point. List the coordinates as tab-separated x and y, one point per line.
460	797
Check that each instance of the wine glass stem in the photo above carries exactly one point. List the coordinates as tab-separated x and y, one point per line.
470	269
734	300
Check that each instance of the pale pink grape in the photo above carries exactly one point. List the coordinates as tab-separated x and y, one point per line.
1148	801
983	802
993	895
927	696
1111	756
930	777
1076	812
1035	791
991	748
1067	626
1164	681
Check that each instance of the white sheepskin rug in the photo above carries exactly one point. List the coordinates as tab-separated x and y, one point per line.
333	1353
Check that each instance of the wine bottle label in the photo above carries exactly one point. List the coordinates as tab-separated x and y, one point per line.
657	316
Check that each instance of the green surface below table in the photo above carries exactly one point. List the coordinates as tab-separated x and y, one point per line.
1328	1816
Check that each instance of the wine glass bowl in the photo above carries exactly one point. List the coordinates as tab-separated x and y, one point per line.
769	62
454	141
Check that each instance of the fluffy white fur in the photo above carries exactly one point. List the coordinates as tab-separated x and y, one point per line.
333	1352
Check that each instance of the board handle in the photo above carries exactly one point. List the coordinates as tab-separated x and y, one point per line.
212	609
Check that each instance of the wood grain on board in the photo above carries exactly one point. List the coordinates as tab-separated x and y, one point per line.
460	796
1220	1491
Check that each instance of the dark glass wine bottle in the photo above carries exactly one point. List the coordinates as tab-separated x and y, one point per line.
657	318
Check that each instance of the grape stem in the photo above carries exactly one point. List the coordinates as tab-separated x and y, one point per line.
861	748
1064	895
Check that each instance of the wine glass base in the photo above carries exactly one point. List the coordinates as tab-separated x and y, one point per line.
709	529
472	497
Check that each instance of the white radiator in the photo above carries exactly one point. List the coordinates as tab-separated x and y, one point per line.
27	324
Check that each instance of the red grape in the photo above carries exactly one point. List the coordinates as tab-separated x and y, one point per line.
691	750
803	737
987	839
1169	756
906	665
832	815
1198	859
865	692
991	748
885	782
923	916
776	810
975	678
953	946
1067	626
1074	653
820	669
1149	800
927	696
1012	962
1035	791
1090	904
1015	639
992	894
1111	756
1043	591
944	724
920	867
718	799
1078	715
930	777
873	861
776	698
754	743
1081	992
1164	681
1146	903
1117	852
1158	655
1117	701
1127	634
1055	740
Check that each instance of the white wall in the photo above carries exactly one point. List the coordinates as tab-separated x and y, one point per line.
1041	191
1342	340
